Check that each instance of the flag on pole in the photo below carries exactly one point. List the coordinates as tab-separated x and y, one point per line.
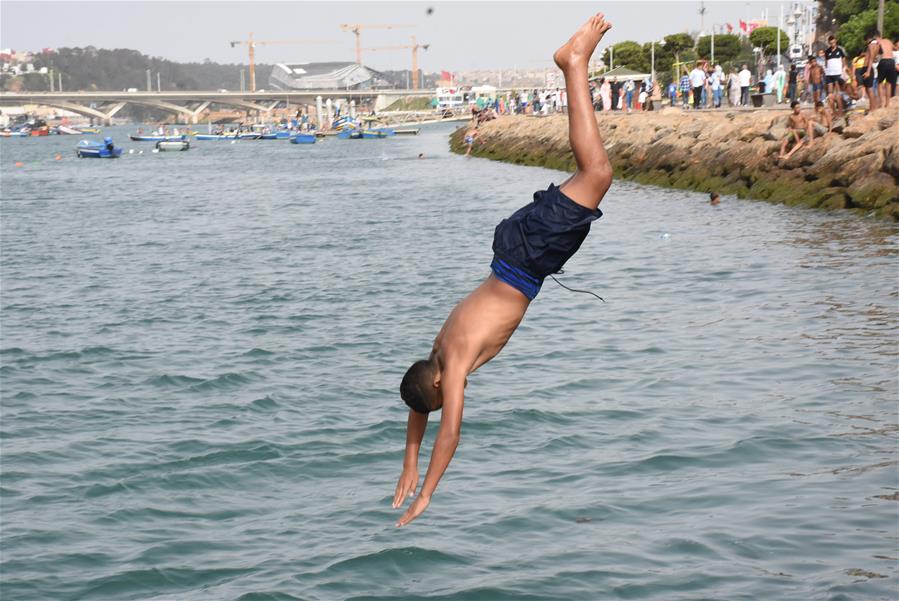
743	25
730	28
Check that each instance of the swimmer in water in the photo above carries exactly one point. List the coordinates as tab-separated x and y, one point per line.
714	198
533	243
470	136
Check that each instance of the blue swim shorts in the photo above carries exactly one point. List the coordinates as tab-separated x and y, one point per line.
537	239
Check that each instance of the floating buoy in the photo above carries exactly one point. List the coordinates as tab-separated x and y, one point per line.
18	164
140	152
234	141
155	150
58	157
130	151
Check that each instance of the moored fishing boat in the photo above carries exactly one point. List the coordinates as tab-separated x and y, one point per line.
303	139
281	134
14	134
91	149
229	136
156	138
164	145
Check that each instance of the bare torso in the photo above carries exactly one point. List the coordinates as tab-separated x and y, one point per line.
480	326
886	48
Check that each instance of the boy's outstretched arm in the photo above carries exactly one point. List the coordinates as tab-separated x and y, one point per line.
453	384
415	431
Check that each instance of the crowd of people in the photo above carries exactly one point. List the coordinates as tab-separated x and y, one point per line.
829	80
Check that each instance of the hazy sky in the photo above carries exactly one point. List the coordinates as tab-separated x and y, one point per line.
463	35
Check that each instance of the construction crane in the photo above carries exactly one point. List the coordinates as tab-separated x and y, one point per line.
357	29
251	45
414	46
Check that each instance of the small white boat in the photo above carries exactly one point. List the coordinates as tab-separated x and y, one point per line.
164	146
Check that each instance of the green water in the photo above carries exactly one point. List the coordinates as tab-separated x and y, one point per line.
201	355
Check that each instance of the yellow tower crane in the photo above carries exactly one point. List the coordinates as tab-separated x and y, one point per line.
357	29
414	46
251	46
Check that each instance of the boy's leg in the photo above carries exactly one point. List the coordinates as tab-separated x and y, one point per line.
593	176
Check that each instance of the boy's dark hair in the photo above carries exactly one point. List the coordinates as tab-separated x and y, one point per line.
831	37
713	195
417	389
794	104
819	104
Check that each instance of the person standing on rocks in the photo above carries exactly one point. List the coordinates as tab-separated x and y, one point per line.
863	77
534	242
836	61
745	81
886	68
697	82
816	79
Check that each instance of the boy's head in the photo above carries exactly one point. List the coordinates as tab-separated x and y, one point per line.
819	106
832	40
714	198
420	388
795	106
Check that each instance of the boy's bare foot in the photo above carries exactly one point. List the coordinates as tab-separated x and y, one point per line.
577	51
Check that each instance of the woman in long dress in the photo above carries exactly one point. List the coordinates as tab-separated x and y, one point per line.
605	92
733	88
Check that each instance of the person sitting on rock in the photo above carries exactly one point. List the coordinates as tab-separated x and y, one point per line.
820	123
796	128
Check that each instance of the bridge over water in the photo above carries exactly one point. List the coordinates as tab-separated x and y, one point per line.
190	105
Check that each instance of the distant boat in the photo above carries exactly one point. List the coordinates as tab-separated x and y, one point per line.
281	134
68	131
91	149
167	145
14	134
387	131
155	138
90	130
412	131
303	139
230	136
368	134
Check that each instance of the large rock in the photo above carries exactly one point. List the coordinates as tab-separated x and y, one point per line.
728	152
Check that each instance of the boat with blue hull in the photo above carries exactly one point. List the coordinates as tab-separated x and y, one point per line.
143	138
276	135
91	149
303	139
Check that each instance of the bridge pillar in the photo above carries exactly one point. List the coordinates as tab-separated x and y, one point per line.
318	113
382	101
195	113
329	119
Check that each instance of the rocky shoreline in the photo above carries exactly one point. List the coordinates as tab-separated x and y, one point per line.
732	152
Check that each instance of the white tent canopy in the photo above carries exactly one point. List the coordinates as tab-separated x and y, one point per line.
621	74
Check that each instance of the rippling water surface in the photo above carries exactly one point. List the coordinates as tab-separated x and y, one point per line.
201	354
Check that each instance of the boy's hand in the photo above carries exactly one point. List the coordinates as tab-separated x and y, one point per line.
405	487
415	509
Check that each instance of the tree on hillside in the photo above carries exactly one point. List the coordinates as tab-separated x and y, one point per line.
677	43
766	39
727	47
626	54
